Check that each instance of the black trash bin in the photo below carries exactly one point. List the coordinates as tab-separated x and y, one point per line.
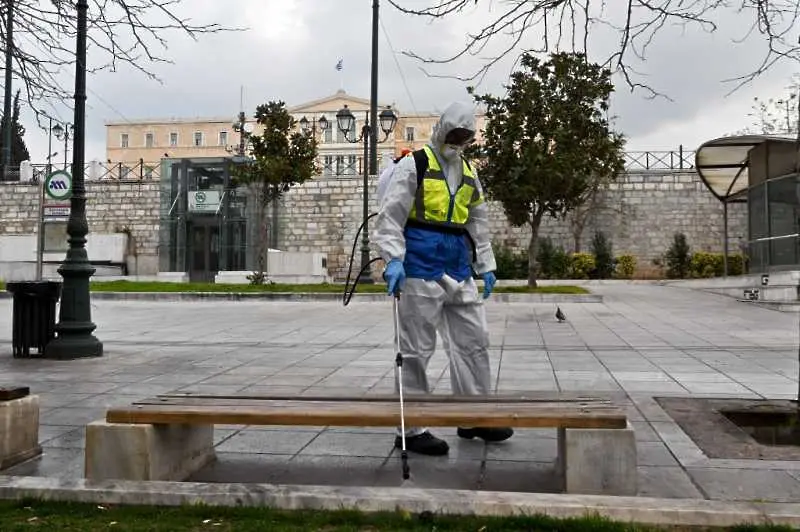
34	315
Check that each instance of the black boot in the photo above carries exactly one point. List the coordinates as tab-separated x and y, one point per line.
493	434
425	443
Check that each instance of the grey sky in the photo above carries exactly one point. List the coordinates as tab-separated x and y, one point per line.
293	45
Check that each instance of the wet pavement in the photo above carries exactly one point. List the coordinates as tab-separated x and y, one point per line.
641	341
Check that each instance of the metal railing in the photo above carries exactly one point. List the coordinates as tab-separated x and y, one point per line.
93	171
635	161
659	160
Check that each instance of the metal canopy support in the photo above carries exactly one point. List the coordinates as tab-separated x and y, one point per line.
722	165
725	238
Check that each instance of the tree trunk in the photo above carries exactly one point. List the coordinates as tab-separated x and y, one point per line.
577	231
535	222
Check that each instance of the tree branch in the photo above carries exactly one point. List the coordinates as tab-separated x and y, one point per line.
123	31
775	21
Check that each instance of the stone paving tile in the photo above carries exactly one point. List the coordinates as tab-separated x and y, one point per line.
747	484
54	462
349	444
644	340
521	476
669	482
267	442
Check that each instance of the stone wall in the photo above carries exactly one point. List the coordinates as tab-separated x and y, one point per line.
639	214
111	207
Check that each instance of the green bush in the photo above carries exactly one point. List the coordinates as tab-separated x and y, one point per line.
583	264
603	256
510	264
736	264
561	264
545	253
626	266
678	258
705	264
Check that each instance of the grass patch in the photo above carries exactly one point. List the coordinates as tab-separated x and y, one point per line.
29	515
550	289
322	288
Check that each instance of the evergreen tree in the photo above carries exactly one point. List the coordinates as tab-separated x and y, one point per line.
19	151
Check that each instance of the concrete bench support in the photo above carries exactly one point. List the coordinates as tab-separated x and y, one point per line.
19	430
146	452
598	461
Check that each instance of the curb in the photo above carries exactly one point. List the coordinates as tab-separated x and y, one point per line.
643	510
312	297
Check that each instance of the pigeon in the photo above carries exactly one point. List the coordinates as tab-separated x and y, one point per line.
560	315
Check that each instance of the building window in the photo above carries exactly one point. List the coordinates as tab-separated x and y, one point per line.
329	134
123	140
339	164
339	136
327	165
173	139
148	140
409	134
223	138
198	138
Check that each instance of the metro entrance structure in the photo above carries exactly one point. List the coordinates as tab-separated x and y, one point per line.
764	172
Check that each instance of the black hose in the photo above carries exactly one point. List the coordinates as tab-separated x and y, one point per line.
346	296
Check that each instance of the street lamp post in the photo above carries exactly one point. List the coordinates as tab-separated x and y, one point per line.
345	121
64	133
75	327
6	155
51	130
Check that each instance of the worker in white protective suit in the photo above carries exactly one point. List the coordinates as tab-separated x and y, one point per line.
432	231
386	175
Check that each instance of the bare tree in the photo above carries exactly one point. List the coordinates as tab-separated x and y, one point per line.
566	25
132	32
775	116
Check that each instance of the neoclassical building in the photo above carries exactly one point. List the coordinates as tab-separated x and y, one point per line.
147	141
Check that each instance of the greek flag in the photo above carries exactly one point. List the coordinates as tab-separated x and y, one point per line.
339	65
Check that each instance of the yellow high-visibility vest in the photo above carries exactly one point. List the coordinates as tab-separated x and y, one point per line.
433	204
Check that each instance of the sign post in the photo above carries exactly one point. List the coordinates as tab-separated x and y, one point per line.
57	185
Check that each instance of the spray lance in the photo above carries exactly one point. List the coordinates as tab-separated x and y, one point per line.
348	294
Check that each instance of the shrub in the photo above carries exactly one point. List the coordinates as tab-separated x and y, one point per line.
583	264
736	264
603	256
678	257
545	252
510	264
705	264
561	264
626	266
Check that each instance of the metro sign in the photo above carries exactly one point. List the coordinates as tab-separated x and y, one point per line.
58	185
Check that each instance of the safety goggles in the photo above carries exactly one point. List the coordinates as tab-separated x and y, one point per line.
459	137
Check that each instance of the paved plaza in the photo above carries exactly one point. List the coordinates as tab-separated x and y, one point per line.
643	340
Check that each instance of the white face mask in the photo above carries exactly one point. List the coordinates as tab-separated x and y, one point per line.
450	151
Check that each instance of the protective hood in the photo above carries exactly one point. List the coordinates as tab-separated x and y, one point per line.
457	115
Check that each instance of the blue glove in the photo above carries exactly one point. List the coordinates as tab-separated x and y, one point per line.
489	279
394	274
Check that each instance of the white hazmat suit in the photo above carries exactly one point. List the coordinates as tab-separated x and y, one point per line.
433	297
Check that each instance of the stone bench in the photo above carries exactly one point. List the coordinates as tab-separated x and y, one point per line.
170	437
19	426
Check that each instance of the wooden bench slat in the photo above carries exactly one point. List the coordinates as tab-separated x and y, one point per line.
270	401
527	397
373	413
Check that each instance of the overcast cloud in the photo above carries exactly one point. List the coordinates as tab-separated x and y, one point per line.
292	46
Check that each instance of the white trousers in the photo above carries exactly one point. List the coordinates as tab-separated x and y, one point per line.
456	310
